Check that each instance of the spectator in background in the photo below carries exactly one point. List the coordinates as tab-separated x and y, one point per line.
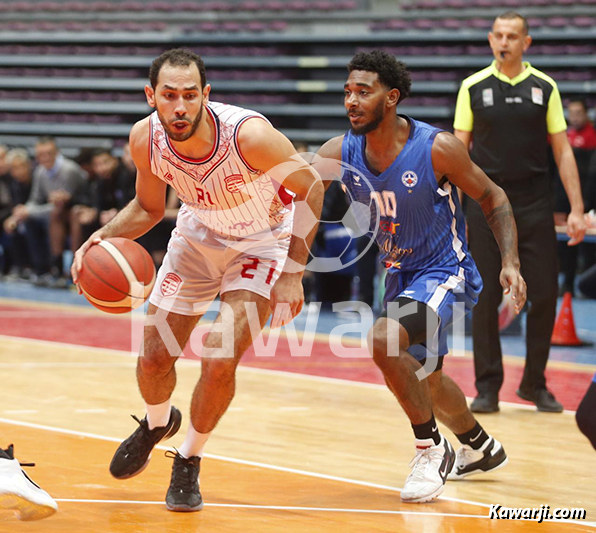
582	137
18	185
56	182
581	133
510	108
109	190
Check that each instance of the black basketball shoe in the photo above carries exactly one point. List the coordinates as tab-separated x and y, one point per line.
184	495
132	456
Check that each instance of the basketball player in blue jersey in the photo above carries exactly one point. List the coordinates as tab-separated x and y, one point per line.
413	170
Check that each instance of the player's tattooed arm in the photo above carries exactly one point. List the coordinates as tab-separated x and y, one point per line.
499	217
451	159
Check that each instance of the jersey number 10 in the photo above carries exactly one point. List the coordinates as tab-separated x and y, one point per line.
386	202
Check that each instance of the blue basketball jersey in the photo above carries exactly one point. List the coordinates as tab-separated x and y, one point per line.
421	224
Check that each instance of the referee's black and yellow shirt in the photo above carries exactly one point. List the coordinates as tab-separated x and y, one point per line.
510	120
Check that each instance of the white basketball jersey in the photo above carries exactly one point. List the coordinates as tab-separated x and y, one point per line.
222	190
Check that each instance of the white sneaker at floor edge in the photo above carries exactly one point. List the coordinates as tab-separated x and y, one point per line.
20	493
430	467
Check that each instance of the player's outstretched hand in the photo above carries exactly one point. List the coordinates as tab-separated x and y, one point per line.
287	298
77	263
512	281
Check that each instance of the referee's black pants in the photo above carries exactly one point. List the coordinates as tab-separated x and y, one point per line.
532	208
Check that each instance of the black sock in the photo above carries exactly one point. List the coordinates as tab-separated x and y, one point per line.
475	438
428	430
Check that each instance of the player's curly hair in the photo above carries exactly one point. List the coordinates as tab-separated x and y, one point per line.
392	73
177	57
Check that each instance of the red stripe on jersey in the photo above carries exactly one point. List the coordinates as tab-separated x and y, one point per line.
150	147
284	195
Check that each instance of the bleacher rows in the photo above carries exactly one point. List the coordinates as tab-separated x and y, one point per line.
478	22
416	56
250	6
71	74
291	11
140	26
481	4
294	40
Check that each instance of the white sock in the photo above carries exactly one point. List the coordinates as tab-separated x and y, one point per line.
158	415
194	443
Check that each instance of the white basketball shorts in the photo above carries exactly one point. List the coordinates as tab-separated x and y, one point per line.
200	264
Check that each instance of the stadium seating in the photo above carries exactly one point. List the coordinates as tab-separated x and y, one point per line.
66	66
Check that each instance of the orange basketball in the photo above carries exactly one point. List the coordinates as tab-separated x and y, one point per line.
117	275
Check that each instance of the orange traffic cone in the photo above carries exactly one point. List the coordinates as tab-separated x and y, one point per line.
564	330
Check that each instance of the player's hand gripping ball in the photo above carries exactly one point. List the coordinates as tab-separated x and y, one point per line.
117	275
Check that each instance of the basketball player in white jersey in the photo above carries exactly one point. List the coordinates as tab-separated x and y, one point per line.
230	168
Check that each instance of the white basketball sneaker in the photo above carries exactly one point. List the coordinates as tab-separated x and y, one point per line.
430	468
468	461
18	492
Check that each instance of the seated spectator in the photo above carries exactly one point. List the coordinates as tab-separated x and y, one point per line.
56	182
109	190
18	185
581	132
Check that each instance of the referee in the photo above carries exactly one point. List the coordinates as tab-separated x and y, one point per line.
508	110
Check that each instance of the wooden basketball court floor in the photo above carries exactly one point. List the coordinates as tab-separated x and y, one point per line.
293	453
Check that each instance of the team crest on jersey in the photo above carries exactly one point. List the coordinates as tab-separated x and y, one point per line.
171	284
234	183
487	97
537	96
409	178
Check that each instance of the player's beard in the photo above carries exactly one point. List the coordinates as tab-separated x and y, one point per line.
378	116
179	137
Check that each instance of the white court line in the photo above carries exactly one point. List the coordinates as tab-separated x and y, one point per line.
257	370
285	508
327	510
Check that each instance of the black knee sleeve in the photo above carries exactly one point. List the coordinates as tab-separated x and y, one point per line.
413	322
